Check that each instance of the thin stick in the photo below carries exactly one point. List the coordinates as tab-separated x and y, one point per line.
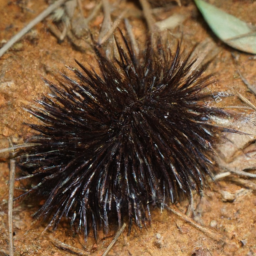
245	100
241	173
245	183
67	247
4	251
54	30
178	2
251	88
106	25
32	23
94	12
10	205
26	145
131	36
238	107
221	176
148	15
114	240
113	27
214	235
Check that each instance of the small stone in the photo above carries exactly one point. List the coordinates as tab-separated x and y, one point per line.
227	196
243	242
18	47
224	212
213	224
159	241
32	36
158	236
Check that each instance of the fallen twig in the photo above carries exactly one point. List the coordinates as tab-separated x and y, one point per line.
131	36
4	251
112	29
243	182
78	44
106	25
10	205
39	18
251	88
119	232
221	175
148	15
25	145
94	12
214	235
245	100
67	247
239	181
239	173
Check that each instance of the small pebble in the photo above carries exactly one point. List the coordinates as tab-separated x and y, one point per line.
158	236
243	242
159	241
213	224
227	196
18	47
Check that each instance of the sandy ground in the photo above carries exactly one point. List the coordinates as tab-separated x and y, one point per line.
21	72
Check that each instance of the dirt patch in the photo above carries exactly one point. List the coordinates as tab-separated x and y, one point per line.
21	72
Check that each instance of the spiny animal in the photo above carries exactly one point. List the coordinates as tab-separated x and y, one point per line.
115	142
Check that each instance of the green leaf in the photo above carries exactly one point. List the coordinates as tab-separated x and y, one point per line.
231	30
